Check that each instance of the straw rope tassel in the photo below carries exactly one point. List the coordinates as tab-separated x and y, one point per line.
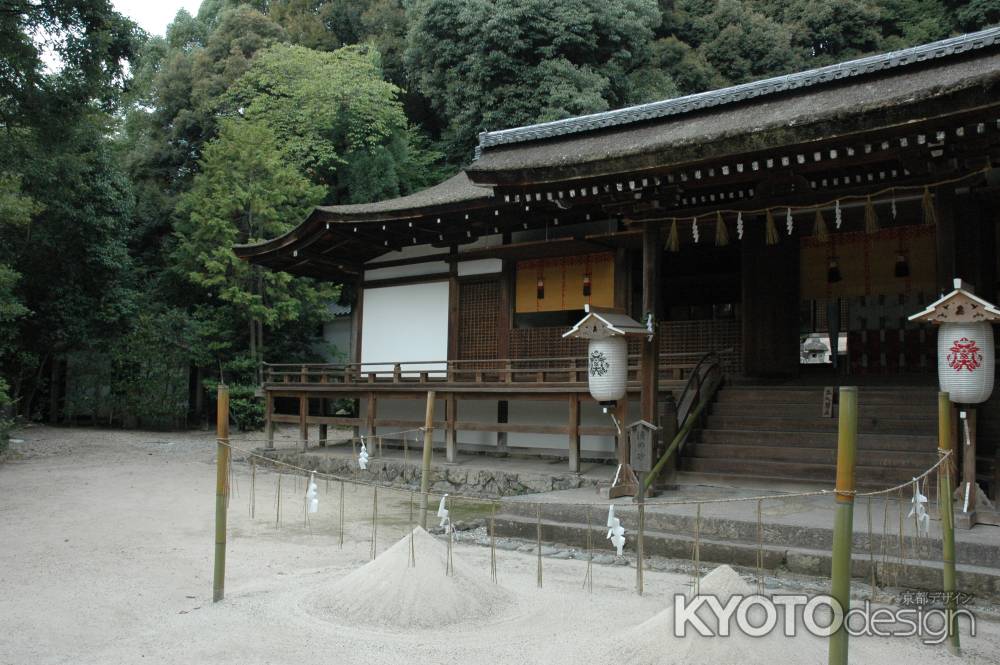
673	240
374	547
721	232
493	542
771	232
871	551
871	219
588	578
927	205
341	524
820	230
538	536
760	548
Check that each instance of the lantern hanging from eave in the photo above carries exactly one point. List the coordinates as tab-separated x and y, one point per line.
607	350
966	346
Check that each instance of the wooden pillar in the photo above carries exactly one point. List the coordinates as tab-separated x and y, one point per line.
451	415
356	321
945	202
574	433
269	418
649	369
621	280
304	420
372	414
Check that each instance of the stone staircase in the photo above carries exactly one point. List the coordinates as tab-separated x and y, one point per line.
778	432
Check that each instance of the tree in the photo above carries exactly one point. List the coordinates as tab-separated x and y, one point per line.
92	43
744	44
244	192
337	119
489	64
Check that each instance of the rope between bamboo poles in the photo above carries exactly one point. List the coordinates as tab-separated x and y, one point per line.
467	497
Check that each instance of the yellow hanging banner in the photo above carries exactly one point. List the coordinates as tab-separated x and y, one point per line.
565	283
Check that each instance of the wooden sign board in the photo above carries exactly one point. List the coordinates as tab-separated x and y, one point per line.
828	402
640	436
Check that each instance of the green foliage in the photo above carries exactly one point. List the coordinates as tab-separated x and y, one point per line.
487	64
245	192
246	408
92	42
336	118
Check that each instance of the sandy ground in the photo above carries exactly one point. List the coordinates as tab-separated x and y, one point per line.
107	541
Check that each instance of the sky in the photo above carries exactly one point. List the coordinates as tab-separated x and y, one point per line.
154	15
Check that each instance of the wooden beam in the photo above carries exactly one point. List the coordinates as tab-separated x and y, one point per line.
649	370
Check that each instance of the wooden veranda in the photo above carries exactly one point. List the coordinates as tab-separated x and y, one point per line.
313	387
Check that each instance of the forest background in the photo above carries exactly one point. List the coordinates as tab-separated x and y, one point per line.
131	163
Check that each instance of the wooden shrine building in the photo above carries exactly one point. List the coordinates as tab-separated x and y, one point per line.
755	223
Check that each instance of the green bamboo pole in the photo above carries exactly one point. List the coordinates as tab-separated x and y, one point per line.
945	444
221	491
843	527
425	471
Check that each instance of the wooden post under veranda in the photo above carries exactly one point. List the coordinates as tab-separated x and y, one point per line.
946	504
425	470
222	458
843	526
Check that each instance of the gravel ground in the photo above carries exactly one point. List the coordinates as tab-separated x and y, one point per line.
107	542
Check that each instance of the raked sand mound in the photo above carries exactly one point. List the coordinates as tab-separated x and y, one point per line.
388	593
653	642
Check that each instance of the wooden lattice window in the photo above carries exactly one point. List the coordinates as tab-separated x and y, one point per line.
478	316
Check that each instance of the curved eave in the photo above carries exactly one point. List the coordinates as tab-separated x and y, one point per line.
334	242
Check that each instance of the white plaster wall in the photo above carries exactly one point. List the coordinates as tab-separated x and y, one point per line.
411	252
405	323
479	267
415	270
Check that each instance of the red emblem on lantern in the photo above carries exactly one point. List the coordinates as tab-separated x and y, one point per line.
965	355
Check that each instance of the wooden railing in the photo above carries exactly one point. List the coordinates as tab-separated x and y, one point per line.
538	371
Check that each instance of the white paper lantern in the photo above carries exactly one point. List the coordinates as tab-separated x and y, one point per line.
607	368
966	361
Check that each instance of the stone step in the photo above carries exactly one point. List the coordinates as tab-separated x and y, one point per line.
814	409
811	536
913	462
757	394
865	424
778	553
866	441
867	476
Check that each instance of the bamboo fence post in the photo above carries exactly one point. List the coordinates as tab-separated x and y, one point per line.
425	471
222	457
843	528
946	507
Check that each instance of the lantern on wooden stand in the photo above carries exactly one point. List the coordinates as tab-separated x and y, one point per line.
607	331
966	370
